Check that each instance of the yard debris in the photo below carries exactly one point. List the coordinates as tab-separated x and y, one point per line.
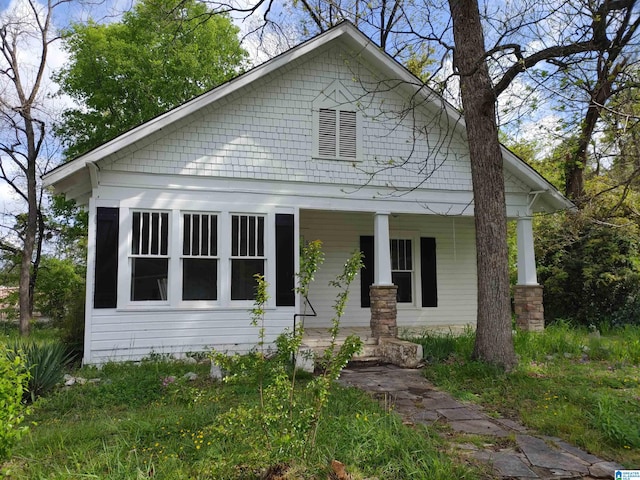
338	471
190	376
70	380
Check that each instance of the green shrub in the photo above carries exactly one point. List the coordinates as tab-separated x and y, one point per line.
13	381
45	363
72	328
590	270
58	285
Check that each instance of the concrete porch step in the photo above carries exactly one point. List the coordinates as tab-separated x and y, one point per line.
384	350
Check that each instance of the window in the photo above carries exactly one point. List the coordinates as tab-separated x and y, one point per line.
402	269
247	254
337	133
337	124
403	266
149	256
199	256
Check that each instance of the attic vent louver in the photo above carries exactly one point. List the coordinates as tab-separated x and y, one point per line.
337	133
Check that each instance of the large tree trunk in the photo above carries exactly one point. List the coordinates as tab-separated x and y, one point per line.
30	230
494	341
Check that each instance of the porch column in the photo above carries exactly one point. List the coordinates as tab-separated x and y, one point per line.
528	302
383	292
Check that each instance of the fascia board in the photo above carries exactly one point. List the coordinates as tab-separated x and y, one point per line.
537	182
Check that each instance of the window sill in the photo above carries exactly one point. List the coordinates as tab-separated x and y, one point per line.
337	159
184	307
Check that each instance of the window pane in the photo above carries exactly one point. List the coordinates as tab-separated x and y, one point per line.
164	233
395	255
135	237
243	235
235	230
214	236
260	236
243	285
144	247
251	241
195	234
204	236
149	278
186	234
199	279
403	281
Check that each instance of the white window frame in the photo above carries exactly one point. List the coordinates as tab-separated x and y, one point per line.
238	255
164	287
200	256
414	261
337	98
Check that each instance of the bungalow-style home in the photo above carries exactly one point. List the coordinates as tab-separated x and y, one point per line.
332	140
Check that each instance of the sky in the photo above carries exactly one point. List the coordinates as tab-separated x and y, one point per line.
110	10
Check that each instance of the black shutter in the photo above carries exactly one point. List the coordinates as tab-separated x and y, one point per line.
428	272
285	274
106	270
367	272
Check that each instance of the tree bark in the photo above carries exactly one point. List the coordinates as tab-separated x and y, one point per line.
31	227
494	340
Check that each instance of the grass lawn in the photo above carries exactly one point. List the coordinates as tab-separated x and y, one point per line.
147	421
570	383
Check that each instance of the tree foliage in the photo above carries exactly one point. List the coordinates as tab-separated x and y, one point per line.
162	53
590	269
59	282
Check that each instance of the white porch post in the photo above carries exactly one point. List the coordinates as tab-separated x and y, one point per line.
527	295
382	251
383	292
526	253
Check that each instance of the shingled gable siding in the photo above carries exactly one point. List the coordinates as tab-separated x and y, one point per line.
340	233
266	133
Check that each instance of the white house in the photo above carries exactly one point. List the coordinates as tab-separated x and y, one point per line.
332	140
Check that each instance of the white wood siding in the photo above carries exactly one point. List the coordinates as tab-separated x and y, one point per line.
118	336
455	257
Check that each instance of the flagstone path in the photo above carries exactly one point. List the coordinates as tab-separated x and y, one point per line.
417	401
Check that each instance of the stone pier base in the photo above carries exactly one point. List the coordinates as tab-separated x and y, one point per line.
383	310
529	307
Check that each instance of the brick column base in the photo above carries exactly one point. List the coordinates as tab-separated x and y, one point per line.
383	310
529	308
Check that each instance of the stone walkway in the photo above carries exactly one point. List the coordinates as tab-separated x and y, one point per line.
408	393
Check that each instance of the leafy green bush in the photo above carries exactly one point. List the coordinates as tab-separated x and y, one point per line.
13	382
284	424
59	284
72	328
45	362
590	270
